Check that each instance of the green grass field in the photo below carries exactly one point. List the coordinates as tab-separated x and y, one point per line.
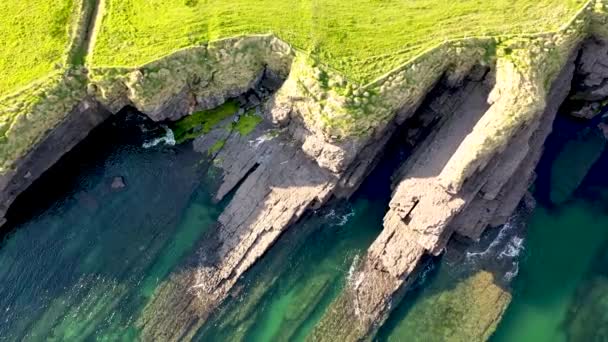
361	38
35	39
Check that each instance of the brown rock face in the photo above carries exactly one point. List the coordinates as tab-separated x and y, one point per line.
423	214
274	183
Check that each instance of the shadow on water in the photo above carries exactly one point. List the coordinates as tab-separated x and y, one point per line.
79	258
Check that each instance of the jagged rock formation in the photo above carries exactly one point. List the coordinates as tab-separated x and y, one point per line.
277	183
326	135
438	195
589	316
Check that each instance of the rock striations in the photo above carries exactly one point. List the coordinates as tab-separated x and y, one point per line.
487	128
427	208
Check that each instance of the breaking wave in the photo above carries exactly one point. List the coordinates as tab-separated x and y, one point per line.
167	139
339	219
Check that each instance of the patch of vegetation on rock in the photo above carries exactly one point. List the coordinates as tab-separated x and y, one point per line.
217	147
247	123
202	122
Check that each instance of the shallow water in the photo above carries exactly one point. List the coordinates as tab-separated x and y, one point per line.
563	244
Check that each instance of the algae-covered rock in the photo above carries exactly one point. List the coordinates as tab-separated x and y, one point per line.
589	315
467	312
573	163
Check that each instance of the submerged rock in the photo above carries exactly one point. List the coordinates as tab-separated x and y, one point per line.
118	183
588	319
470	311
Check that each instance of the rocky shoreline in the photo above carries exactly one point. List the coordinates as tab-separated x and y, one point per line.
285	167
424	214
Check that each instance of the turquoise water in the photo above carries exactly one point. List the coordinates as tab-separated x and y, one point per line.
563	244
81	259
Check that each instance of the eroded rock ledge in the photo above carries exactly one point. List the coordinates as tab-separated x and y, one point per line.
432	200
317	143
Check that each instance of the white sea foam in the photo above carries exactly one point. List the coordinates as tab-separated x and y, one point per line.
510	275
352	268
167	139
513	248
260	140
505	245
502	235
339	220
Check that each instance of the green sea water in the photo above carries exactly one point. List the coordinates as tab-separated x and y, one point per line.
565	238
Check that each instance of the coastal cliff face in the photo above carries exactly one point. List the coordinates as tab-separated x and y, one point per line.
424	214
488	119
87	115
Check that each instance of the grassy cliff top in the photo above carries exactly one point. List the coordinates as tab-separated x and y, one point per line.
362	39
35	39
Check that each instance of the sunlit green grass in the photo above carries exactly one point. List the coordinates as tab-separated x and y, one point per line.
361	38
35	38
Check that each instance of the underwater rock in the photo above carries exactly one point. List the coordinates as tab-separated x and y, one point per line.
118	183
470	311
588	317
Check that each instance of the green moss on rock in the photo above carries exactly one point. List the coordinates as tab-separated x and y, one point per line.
247	123
202	122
